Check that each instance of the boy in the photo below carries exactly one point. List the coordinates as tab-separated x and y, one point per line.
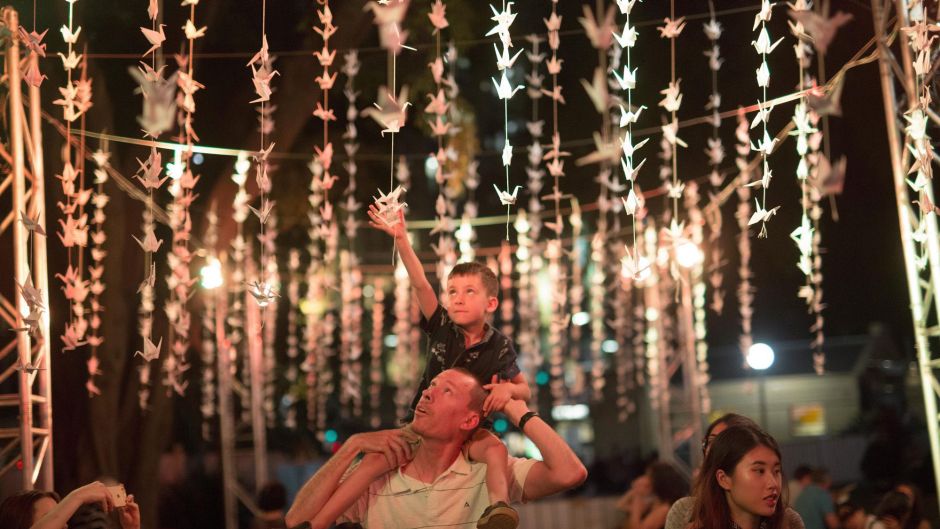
459	336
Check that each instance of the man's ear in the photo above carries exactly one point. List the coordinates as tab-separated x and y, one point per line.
471	421
724	480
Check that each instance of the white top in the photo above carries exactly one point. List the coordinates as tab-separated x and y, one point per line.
456	499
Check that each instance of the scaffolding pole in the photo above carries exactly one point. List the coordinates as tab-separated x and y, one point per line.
678	421
923	282
29	446
233	491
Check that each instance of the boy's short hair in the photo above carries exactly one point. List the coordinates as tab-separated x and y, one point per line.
473	268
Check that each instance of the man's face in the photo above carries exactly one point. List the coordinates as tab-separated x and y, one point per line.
467	300
444	409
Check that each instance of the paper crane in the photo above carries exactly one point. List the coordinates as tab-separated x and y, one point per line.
151	352
505	198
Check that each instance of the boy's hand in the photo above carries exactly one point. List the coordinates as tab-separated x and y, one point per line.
396	445
500	394
397	231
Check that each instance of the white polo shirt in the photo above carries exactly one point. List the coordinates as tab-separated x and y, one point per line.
455	499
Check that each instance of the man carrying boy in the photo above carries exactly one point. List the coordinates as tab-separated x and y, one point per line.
459	337
435	484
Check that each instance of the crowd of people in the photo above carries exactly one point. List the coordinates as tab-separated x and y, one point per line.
740	485
445	469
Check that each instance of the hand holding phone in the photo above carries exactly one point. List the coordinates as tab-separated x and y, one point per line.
118	495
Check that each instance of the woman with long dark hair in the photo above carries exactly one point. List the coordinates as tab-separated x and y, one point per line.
19	510
34	509
740	485
917	519
680	514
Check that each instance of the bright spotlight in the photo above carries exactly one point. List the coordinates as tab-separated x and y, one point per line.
391	340
610	346
580	318
430	166
760	356
211	274
688	254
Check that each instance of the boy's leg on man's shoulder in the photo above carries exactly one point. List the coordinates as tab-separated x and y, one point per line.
484	447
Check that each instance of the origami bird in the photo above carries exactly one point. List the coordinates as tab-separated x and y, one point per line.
68	36
263	293
32	224
155	38
712	29
506	198
503	59
191	32
151	352
672	28
150	243
628	80
503	89
438	16
627	39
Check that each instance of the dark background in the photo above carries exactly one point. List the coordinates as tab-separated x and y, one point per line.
864	280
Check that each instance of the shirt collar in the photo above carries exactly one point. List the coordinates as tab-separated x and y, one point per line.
488	332
400	483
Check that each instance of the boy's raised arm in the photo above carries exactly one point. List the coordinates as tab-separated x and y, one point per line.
427	297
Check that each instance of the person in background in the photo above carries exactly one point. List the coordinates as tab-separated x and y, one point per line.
815	503
45	510
917	520
651	495
741	483
852	515
802	477
892	512
681	511
272	500
19	510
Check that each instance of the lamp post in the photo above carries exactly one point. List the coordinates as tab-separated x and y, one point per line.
760	357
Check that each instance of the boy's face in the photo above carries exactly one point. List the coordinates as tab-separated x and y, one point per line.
467	301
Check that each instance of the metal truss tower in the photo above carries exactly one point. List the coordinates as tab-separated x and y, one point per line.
24	358
919	234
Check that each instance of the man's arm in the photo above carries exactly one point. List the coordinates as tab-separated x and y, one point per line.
560	468
427	297
320	488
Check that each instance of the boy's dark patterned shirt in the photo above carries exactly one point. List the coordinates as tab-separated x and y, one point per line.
493	355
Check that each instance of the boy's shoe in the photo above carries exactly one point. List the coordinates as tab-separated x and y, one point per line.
499	516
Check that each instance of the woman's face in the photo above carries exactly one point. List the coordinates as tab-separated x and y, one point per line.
753	489
41	507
